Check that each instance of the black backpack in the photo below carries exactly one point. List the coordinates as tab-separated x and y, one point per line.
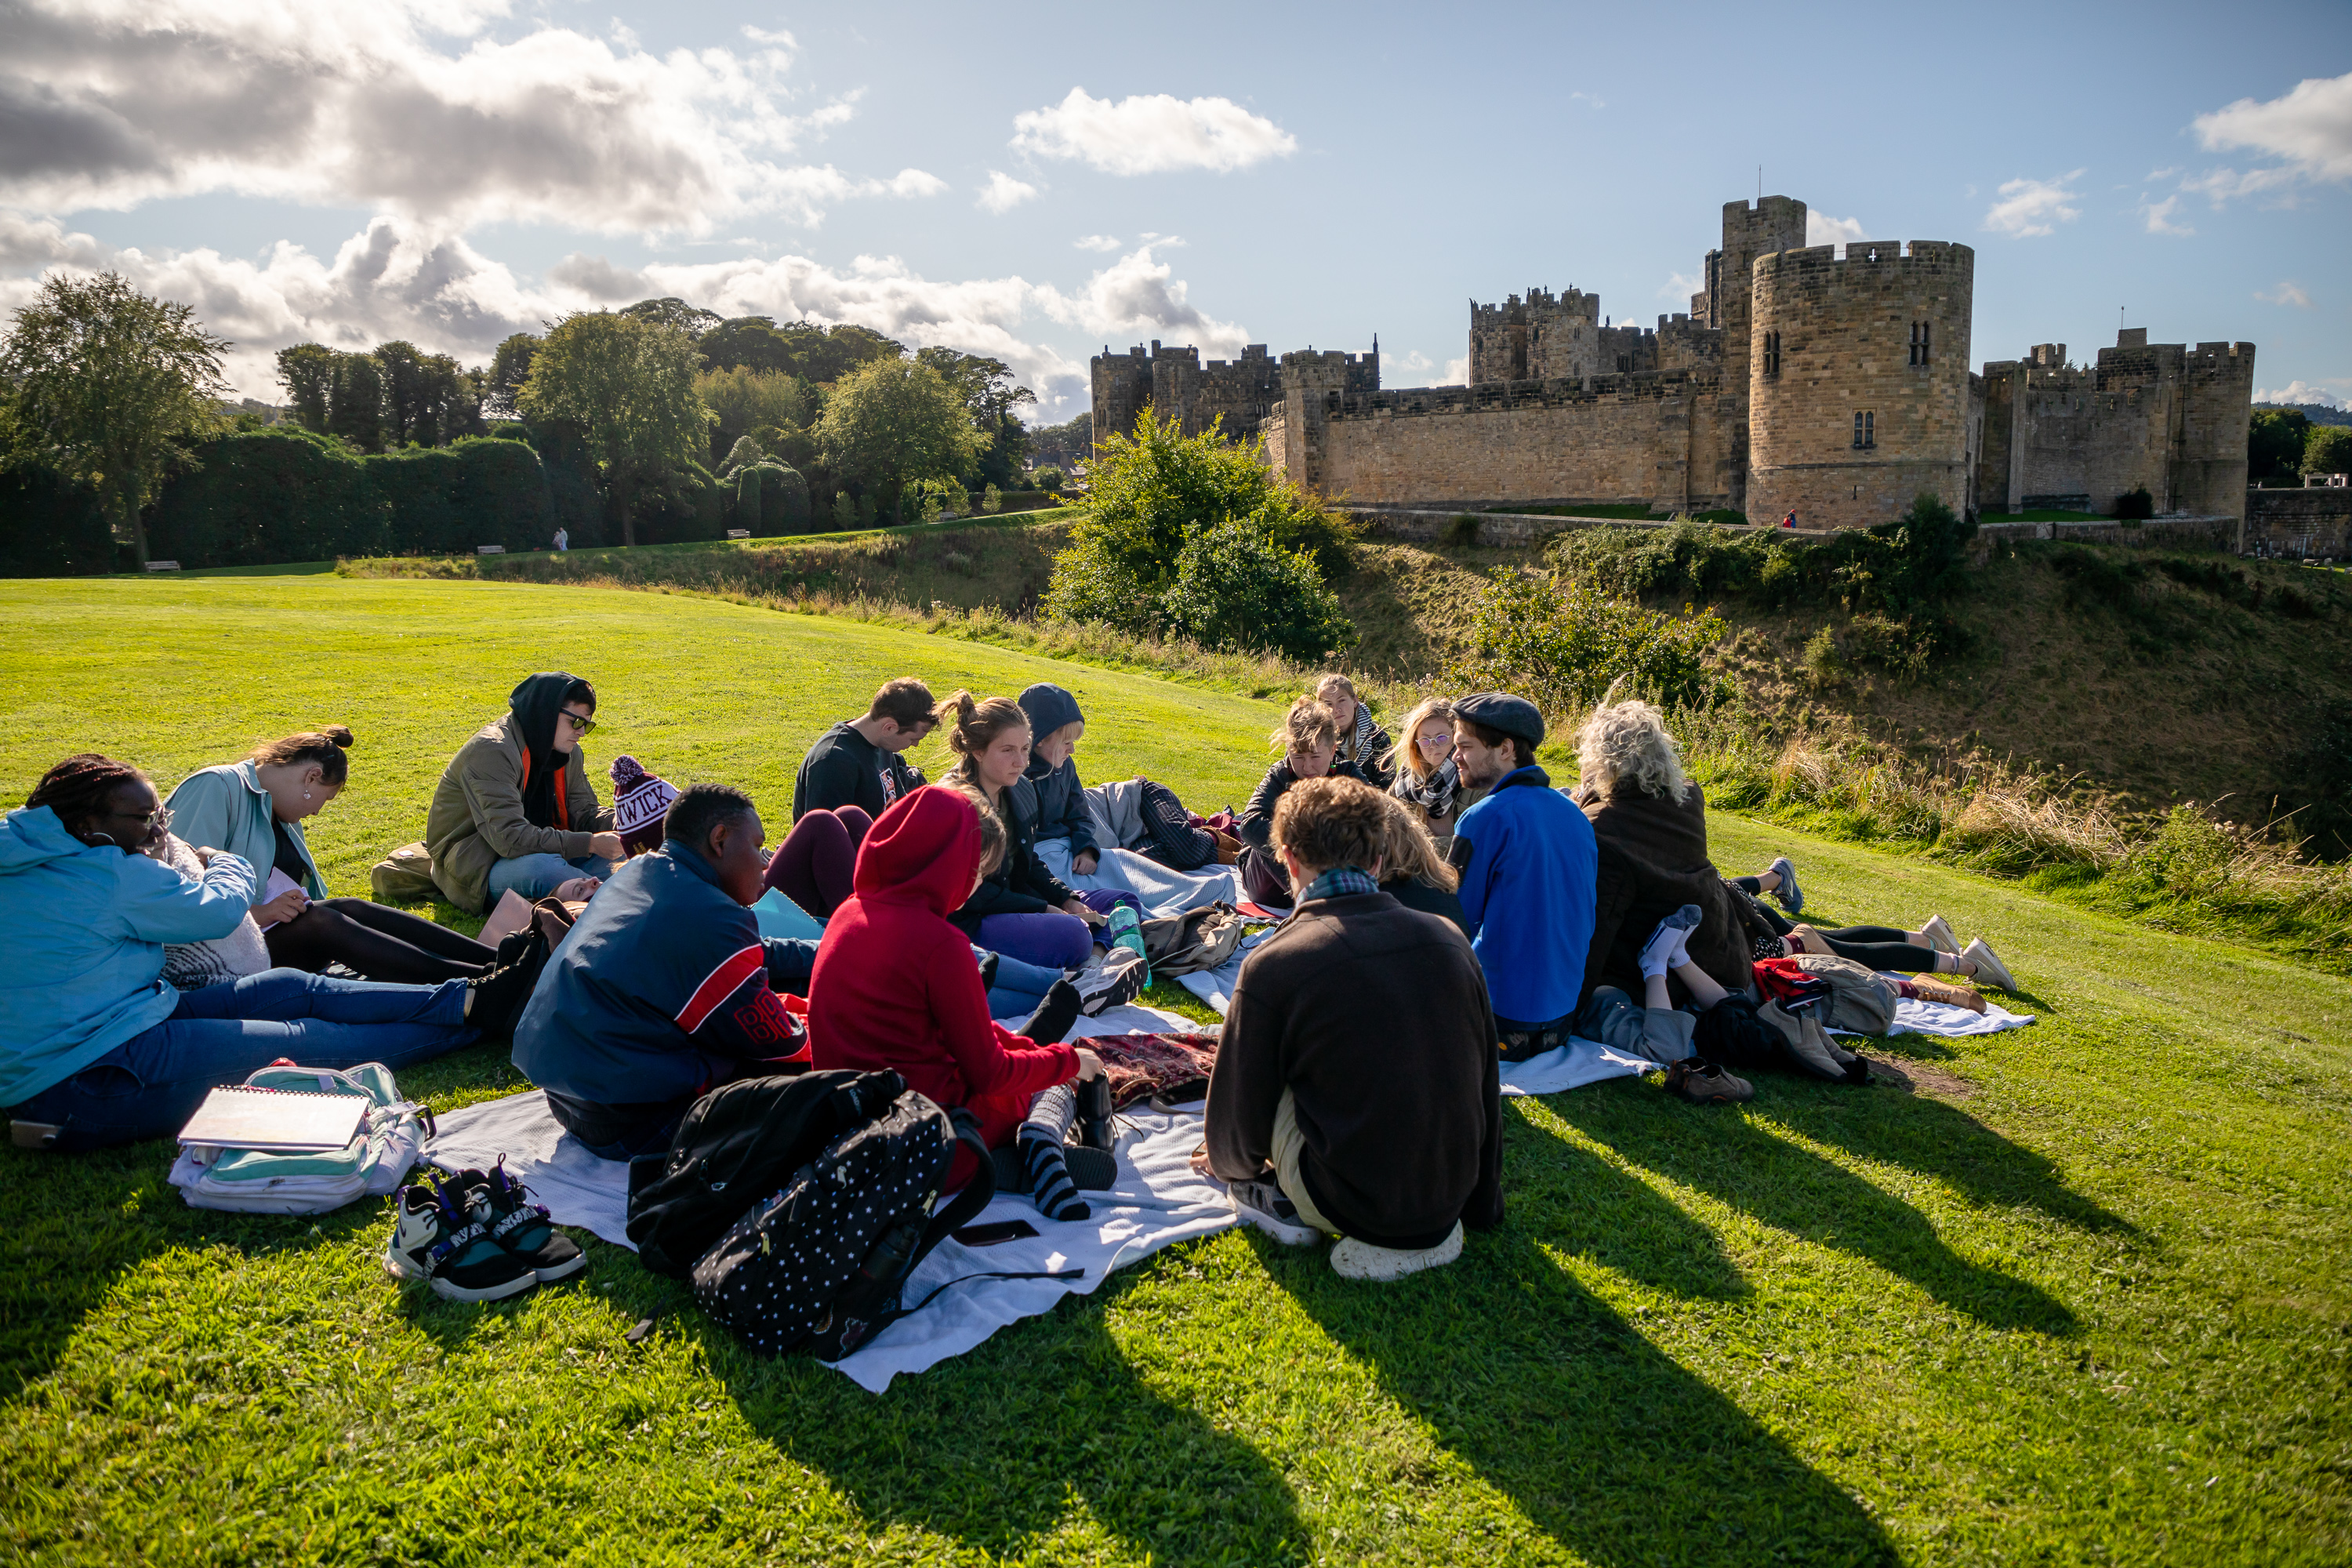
736	1145
822	1264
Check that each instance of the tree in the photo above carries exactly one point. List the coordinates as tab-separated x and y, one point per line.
2327	450
820	356
892	423
628	386
771	407
691	320
2274	443
510	368
355	401
307	371
108	385
990	397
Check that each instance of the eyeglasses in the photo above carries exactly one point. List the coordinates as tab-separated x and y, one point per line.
1437	743
156	821
579	725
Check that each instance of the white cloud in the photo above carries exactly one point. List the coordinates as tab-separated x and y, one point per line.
1003	193
1151	135
2160	216
2310	128
2028	207
1679	287
1456	371
1138	297
1104	242
2286	293
1592	101
2321	391
1822	229
412	106
1414	368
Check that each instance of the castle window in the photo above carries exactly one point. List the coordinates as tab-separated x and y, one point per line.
1624	363
1865	429
1919	342
1771	354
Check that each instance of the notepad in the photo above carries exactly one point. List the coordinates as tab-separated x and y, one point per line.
282	1121
279	882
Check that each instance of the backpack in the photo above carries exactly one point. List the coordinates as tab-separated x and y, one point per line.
1859	1001
736	1144
822	1264
404	877
1195	942
256	1181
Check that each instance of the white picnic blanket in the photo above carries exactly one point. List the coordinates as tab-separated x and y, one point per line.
1156	1201
1914	1017
1162	892
1573	1066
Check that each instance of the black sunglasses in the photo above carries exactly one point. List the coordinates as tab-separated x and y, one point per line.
576	722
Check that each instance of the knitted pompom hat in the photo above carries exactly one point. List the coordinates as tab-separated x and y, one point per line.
640	800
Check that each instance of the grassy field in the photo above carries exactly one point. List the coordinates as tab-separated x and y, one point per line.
2071	1295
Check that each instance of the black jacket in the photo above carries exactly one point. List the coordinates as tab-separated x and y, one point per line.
1021	885
1257	825
845	768
1429	900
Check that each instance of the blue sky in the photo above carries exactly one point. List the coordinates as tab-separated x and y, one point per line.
1037	183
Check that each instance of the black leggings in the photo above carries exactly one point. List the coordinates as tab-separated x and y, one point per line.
1880	947
376	943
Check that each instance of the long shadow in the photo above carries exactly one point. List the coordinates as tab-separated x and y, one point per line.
1584	1205
1798	1192
991	1445
1605	1443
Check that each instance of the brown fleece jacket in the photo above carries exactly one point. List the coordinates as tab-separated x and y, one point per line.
1653	862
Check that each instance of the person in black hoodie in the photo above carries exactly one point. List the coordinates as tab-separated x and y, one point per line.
1415	874
1020	910
1055	727
1308	738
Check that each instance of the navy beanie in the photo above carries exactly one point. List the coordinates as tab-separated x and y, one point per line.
1049	708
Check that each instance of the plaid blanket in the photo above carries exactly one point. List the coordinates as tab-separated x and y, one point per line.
1140	1065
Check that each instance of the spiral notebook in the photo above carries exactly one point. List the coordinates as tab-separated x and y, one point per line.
279	1119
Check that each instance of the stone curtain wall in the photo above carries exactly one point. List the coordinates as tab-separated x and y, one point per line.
1240	393
1845	332
2314	523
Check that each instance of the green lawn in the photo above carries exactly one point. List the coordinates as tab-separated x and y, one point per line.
2078	1296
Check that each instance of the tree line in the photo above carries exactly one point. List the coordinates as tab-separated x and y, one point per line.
656	422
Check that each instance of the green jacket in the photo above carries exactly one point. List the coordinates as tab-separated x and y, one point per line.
476	818
227	808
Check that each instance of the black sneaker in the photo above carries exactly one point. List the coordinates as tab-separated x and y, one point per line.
1114	983
434	1240
522	1227
1091	1170
498	996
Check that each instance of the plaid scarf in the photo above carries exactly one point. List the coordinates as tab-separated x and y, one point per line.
1338	882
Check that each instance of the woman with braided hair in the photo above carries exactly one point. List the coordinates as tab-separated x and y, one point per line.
95	1048
254	810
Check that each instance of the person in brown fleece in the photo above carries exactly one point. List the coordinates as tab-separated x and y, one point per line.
1356	1090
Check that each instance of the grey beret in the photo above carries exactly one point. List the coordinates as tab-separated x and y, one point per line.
1501	710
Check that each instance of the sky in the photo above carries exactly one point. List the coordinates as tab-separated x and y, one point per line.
1038	183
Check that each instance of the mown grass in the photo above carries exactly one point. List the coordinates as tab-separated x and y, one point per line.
2075	1296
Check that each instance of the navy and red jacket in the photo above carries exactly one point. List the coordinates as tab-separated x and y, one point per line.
662	989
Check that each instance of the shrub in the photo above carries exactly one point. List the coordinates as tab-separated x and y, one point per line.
2136	505
991	501
844	510
1562	644
268	496
792	493
1236	588
49	528
748	479
1048	478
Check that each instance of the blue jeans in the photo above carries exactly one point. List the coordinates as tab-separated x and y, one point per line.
151	1084
536	875
1019	987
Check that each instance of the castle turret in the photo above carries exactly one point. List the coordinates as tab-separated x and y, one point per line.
1858	381
1544	337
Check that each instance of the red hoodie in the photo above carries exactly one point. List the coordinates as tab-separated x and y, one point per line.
896	985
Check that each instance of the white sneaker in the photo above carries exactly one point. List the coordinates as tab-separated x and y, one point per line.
1262	1203
1989	966
1113	982
1939	936
1353	1259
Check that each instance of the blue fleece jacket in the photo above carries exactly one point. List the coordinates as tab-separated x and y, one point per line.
659	988
1529	876
87	926
227	808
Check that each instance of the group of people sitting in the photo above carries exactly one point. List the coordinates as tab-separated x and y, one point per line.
1447	909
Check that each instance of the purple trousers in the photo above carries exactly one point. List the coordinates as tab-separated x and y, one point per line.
1047	938
817	866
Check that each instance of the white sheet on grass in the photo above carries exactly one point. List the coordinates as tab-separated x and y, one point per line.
1573	1066
1156	1201
1914	1017
1162	892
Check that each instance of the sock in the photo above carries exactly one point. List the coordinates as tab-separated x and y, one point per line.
1054	1016
1667	945
1047	1124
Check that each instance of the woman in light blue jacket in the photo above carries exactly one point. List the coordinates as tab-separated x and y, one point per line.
254	810
95	1049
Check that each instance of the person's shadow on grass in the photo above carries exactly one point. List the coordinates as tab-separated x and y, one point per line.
1606	1442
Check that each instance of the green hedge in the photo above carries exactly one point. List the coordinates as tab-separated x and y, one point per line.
267	496
50	529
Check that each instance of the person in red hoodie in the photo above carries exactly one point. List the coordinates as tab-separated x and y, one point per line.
895	987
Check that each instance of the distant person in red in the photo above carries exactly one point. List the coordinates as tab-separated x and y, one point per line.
895	987
1789	520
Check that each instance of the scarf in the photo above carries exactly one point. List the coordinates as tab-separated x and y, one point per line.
535	703
1433	795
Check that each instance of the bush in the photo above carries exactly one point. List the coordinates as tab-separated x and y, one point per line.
792	492
269	496
844	510
1048	478
49	528
1236	588
748	509
1561	644
2136	505
991	501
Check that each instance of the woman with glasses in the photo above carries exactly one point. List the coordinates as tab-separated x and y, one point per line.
95	1048
254	810
1428	781
514	810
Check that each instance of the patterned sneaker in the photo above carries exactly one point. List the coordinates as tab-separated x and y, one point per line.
1787	894
1704	1083
1114	983
522	1227
433	1240
1262	1204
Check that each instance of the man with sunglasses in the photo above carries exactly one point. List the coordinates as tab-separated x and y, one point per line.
514	810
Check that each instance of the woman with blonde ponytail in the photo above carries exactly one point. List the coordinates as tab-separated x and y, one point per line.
1018	908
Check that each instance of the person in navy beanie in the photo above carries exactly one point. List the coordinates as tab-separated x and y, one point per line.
640	800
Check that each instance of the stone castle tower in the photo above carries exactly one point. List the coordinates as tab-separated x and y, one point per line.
1541	337
1858	381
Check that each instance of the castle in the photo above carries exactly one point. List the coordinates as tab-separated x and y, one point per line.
1835	387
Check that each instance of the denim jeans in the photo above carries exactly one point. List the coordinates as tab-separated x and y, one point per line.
536	875
1019	987
150	1085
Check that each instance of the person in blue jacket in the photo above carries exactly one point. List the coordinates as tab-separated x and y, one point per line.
665	989
1529	866
95	1049
1055	727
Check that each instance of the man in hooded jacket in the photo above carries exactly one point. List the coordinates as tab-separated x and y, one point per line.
514	808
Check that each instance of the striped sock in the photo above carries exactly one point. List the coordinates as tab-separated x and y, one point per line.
1048	1123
